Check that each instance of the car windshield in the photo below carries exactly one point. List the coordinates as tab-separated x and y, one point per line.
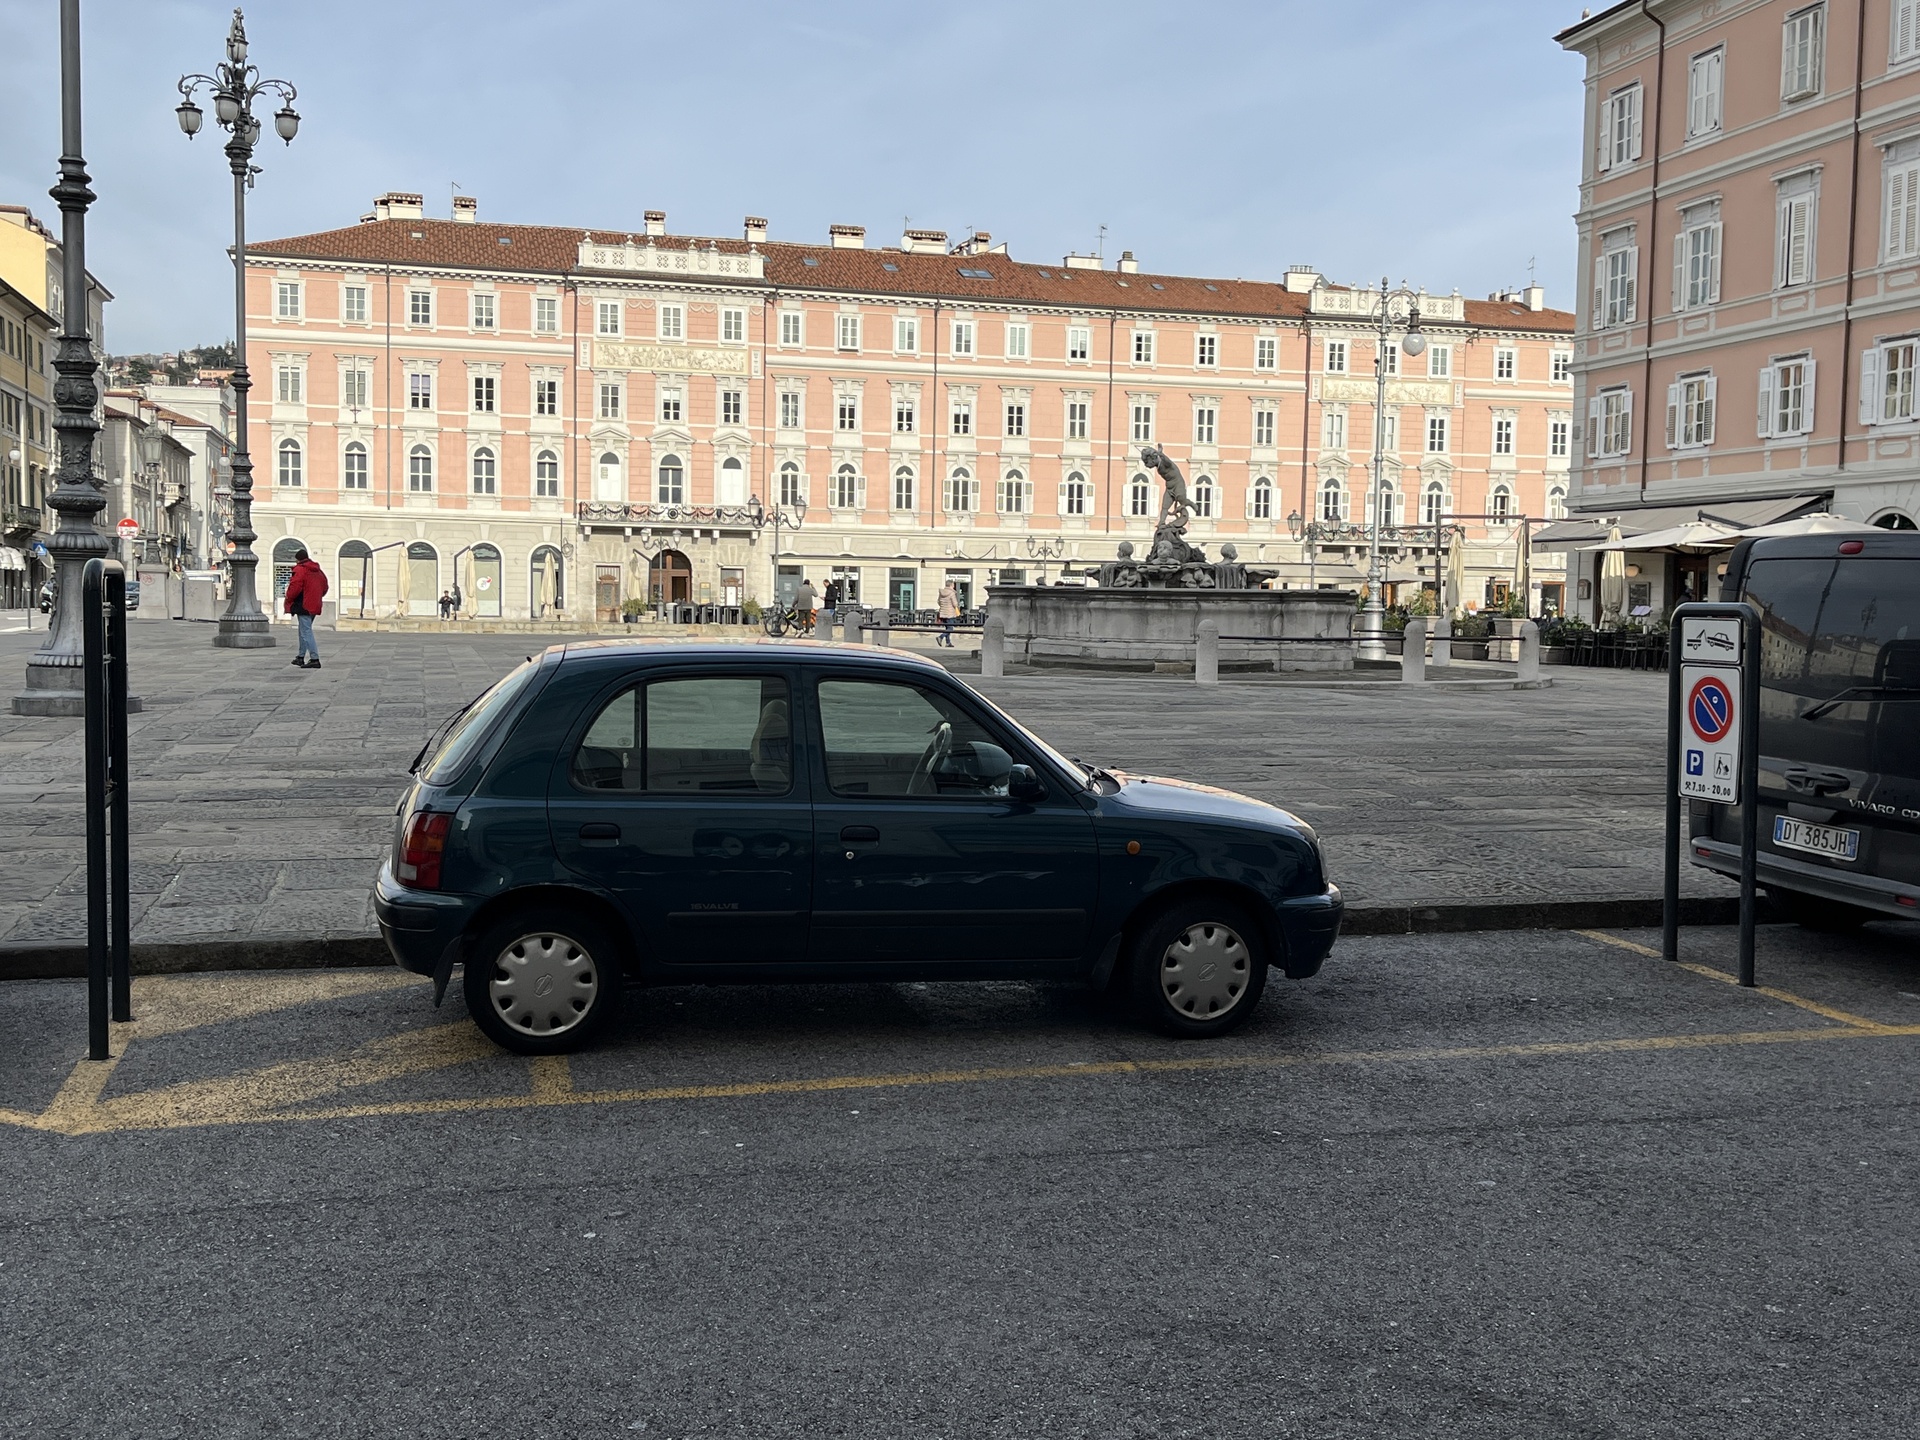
1840	662
471	725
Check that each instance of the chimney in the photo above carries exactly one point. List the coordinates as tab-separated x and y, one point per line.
1081	262
399	205
977	243
924	242
1301	279
656	222
756	230
466	208
1535	296
848	237
1128	265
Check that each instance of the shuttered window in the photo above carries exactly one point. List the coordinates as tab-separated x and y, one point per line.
1793	258
1903	32
1704	77
1902	209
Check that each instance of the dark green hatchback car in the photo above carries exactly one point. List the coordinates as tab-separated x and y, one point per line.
662	813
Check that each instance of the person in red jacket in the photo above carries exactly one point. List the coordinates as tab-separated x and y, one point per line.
306	588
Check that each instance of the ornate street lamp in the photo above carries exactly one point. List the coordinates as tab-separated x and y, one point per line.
234	86
1373	613
777	516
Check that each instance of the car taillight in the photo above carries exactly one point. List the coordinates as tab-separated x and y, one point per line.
422	845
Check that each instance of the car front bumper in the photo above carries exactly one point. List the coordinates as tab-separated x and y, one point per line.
418	925
1308	925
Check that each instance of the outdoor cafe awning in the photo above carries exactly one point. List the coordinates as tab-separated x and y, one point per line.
1578	531
11	559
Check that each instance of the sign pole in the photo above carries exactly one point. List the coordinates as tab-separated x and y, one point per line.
1670	875
1749	789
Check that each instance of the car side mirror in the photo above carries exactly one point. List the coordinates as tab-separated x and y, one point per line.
1023	784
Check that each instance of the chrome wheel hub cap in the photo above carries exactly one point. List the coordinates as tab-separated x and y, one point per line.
543	984
1204	972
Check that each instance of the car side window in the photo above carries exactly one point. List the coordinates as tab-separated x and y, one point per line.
720	734
886	738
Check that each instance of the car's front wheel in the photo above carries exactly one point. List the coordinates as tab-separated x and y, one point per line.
1198	969
543	981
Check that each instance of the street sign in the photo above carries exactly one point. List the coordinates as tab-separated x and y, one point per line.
128	527
1710	733
1710	640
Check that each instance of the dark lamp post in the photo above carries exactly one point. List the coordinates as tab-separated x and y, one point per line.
234	87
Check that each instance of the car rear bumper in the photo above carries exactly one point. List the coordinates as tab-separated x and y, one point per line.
1868	891
1308	925
418	925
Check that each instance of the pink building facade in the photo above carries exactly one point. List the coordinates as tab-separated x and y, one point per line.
1750	227
562	422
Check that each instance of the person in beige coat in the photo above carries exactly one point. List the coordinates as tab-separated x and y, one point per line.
949	612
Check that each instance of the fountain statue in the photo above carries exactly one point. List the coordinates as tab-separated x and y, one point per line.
1172	563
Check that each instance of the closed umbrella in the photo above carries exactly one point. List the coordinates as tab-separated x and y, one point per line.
637	572
469	603
1523	569
1456	596
1613	577
403	591
546	584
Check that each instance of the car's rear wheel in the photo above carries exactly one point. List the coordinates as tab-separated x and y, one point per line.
1198	969
1817	912
543	981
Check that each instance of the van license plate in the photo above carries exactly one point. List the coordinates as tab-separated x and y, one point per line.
1827	840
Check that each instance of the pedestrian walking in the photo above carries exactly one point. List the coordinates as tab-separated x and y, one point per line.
804	601
306	589
949	612
446	604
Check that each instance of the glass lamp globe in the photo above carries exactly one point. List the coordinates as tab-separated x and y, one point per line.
286	123
1415	343
191	117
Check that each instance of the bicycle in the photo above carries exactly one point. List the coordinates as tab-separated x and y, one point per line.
780	619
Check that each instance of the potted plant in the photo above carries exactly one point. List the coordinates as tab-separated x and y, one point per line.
631	609
1470	637
1558	637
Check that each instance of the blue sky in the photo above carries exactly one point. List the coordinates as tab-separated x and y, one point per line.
1436	142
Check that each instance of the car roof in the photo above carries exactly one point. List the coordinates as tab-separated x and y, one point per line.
1889	544
674	650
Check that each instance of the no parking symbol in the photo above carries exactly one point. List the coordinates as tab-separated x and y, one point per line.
1710	736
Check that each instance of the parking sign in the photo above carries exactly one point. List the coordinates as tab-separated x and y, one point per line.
1710	733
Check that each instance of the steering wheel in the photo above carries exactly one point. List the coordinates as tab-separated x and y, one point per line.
937	750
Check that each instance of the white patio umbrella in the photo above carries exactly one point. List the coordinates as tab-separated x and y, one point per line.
469	597
1613	576
403	589
546	584
1822	523
1694	535
1456	596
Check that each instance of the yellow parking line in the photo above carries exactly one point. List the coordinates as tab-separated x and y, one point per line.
1786	997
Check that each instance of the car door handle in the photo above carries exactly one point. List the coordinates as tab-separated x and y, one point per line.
859	832
599	832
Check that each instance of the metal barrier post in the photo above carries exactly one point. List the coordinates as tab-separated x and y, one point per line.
118	867
93	653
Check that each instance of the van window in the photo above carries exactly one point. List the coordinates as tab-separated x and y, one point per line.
1845	631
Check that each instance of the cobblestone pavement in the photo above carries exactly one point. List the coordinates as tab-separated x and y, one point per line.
263	794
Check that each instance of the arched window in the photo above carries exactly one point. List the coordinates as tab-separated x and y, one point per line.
962	492
486	480
1389	503
290	475
422	578
1557	503
609	484
353	467
284	559
846	489
1205	497
1074	495
420	471
1260	504
485	577
732	489
1433	504
546	475
1333	500
904	497
354	570
1013	493
672	486
1894	520
793	486
1139	496
1500	504
546	582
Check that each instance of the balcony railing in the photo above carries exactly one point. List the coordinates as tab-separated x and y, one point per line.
606	512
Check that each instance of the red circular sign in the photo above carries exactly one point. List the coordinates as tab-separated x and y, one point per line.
1710	709
129	526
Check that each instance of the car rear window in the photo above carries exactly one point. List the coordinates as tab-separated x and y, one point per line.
475	723
1840	661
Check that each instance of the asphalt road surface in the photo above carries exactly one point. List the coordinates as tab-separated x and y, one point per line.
1522	1184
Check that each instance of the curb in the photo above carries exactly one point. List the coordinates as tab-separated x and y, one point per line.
66	959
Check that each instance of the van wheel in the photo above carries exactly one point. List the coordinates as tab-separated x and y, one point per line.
1198	969
543	981
1816	912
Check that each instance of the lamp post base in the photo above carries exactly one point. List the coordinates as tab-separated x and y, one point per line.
58	691
244	633
1372	628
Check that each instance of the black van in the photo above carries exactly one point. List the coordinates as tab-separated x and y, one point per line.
1839	794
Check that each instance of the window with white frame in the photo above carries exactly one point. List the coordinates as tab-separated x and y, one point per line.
1205	497
1556	502
906	335
1079	342
1016	419
1333	500
354	471
1796	211
1074	494
1439	362
1436	434
356	388
546	397
962	416
286	299
1389	355
290	474
1696	257
963	492
288	387
1015	494
1390	428
1803	53
420	471
963	337
1433	503
1205	423
1206	350
733	325
1887	382
844	493
1503	435
482	310
1077	419
905	416
1616	281
1506	362
1559	437
846	411
1903	32
1142	420
546	315
485	394
1262	426
546	475
1266	353
790	409
1620	127
353	304
612	405
1786	397
1336	363
1690	411
672	406
420	307
846	333
420	390
904	491
1333	428
1704	75
607	317
1139	497
1562	366
1143	347
1019	340
793	485
1260	499
486	472
793	330
1500	504
1610	423
1900	201
733	407
671	321
670	482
